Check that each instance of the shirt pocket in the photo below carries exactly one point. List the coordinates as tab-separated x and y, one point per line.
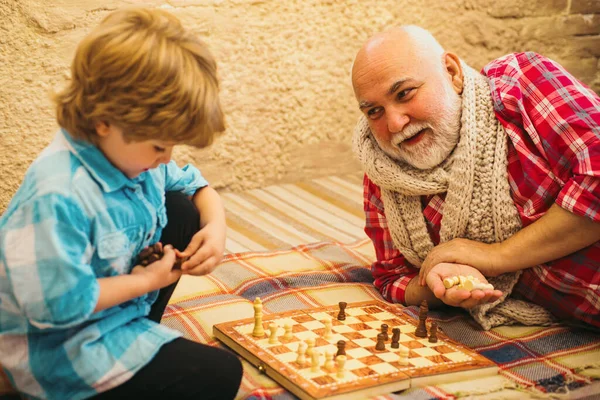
117	247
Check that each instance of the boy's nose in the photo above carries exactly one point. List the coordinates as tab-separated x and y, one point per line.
166	156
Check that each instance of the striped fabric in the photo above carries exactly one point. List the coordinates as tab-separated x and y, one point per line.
267	223
282	216
534	361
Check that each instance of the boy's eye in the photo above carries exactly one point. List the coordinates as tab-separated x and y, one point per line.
159	149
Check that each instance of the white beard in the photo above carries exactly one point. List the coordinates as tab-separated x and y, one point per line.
439	141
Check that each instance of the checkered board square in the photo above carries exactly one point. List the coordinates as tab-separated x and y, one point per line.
367	371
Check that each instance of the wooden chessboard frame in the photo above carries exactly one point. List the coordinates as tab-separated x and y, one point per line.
287	375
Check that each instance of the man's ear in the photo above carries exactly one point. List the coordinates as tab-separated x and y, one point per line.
454	70
102	128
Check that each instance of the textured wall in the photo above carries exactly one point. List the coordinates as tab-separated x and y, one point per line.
284	67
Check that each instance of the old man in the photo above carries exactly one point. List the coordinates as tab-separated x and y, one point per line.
493	174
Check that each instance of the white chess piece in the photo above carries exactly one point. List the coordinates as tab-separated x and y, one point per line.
288	331
327	334
311	345
329	364
258	330
403	355
341	362
301	359
273	337
314	358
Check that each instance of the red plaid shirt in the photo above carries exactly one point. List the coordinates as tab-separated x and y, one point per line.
553	124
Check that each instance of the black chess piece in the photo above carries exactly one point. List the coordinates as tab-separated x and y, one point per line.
341	345
384	330
342	314
395	338
380	342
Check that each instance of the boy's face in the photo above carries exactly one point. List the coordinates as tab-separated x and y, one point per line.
131	158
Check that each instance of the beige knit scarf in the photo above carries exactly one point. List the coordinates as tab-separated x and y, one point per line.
477	206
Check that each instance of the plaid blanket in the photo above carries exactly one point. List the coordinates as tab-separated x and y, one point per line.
534	361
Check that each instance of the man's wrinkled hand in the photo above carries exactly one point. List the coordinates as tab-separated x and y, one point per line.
454	296
486	258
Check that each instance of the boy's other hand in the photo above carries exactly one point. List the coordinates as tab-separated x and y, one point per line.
205	250
160	273
459	297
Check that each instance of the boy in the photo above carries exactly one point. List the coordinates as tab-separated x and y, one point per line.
78	317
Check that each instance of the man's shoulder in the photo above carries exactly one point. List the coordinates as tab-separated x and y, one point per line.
514	65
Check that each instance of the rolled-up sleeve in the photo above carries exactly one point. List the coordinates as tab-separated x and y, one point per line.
46	261
186	180
391	271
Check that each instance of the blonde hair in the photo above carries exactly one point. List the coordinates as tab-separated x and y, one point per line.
142	71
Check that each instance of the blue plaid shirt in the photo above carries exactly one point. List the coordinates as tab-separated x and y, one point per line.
77	218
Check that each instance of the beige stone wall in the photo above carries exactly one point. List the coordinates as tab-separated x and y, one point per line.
284	66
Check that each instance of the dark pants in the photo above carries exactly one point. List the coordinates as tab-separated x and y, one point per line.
181	369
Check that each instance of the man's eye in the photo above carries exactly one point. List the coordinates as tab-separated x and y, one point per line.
159	149
403	93
374	112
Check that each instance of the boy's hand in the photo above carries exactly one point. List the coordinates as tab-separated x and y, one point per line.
205	250
458	297
160	273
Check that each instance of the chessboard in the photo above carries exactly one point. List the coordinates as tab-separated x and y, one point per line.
366	371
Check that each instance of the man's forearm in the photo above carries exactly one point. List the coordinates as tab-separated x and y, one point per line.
557	234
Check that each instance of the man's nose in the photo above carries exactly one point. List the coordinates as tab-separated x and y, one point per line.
396	120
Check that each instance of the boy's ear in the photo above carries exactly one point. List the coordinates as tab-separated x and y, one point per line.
102	128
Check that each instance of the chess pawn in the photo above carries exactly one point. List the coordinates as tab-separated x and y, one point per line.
329	364
403	355
288	331
342	314
380	346
301	359
384	330
311	345
314	358
341	345
433	333
258	330
327	334
273	337
341	362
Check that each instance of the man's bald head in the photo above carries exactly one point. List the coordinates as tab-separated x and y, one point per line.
410	42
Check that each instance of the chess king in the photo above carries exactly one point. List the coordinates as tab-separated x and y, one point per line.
492	174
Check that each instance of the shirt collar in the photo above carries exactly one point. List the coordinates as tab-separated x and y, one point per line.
107	175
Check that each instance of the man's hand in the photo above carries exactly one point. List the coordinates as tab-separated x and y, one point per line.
159	273
484	257
459	297
205	250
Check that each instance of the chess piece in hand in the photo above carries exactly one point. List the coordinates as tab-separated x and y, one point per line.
455	296
155	252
